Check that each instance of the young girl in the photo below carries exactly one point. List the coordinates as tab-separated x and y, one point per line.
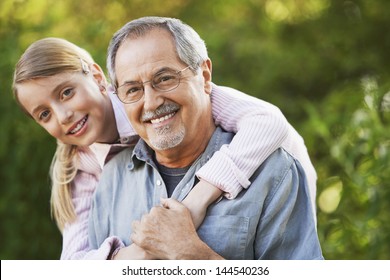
60	86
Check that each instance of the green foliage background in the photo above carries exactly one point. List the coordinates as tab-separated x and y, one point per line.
323	62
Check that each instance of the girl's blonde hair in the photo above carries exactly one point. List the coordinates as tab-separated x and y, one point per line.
44	58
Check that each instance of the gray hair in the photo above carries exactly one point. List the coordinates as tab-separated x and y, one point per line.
190	48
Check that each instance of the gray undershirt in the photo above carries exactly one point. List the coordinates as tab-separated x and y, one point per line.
171	176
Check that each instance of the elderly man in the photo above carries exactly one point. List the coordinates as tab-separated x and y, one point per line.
164	77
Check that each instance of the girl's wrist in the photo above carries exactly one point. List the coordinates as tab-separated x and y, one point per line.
204	193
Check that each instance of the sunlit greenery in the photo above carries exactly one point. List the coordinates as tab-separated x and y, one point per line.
323	62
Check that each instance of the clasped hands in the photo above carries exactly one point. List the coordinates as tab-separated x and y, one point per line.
169	231
166	232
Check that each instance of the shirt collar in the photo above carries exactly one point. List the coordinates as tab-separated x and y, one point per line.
142	152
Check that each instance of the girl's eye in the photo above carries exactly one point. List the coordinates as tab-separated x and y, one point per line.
67	93
43	116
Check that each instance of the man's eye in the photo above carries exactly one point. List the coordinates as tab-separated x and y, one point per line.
164	78
133	90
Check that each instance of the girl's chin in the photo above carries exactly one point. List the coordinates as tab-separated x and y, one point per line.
82	142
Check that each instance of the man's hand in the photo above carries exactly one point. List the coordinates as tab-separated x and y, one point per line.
168	232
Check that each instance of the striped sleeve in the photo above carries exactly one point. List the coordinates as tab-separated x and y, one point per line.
75	236
260	129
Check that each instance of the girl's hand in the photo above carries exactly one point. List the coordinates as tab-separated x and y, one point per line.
132	252
200	197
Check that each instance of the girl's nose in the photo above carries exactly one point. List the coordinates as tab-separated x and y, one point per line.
65	115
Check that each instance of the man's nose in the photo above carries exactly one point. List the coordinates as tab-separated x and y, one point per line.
152	98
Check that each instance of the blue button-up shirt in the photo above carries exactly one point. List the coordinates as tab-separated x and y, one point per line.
272	219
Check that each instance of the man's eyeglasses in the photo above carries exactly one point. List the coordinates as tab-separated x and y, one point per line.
163	81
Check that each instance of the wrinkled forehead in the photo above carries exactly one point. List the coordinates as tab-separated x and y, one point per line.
141	56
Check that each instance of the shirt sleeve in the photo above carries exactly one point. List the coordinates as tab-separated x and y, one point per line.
260	129
287	229
75	235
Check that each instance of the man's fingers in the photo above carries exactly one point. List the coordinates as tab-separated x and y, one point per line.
135	225
134	237
170	203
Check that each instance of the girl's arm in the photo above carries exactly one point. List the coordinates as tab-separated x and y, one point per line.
260	129
75	235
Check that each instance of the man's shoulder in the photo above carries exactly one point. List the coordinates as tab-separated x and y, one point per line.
118	163
280	157
121	157
276	166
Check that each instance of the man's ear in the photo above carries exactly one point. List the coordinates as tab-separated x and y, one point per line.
206	72
98	75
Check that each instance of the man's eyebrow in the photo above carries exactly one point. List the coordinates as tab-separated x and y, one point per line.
163	69
129	82
159	71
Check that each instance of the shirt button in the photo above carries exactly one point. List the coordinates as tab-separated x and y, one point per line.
158	182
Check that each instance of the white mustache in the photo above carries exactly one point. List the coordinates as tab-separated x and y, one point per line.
159	112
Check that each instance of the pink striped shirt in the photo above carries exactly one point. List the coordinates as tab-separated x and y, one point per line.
261	129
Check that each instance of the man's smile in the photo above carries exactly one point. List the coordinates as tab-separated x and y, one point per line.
160	120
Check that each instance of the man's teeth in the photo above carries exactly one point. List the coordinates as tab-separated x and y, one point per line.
79	126
154	121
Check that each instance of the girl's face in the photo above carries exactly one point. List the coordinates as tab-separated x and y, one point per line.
70	107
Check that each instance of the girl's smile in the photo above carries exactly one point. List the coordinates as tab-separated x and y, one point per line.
79	128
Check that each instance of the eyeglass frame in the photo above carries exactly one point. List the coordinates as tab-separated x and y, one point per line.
141	84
